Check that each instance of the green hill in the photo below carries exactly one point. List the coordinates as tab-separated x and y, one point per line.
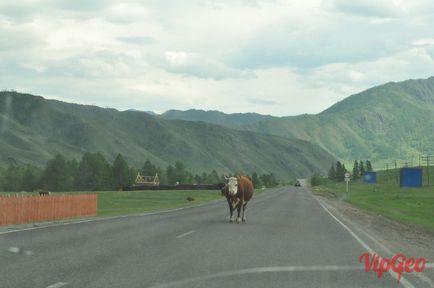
393	121
33	129
215	117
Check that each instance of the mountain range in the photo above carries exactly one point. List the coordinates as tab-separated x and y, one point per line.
394	121
389	122
34	129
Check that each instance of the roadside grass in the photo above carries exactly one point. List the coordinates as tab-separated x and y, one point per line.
413	206
116	203
123	203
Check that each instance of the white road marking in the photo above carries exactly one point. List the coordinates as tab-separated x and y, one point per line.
58	285
403	280
185	234
314	268
385	249
14	249
421	276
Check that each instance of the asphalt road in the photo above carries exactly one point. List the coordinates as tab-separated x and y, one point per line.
289	240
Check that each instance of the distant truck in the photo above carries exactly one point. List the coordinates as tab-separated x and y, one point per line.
297	184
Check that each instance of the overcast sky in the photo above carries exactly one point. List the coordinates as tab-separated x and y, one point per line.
271	57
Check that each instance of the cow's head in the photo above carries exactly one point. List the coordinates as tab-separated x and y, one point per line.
232	185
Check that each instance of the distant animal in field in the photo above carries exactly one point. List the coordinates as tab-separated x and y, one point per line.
44	193
238	191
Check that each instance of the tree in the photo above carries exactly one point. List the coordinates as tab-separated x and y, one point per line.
149	169
31	178
332	172
12	179
94	173
163	176
356	172
197	179
120	173
268	180
213	177
362	168
255	180
340	171
56	175
369	166
171	175
179	174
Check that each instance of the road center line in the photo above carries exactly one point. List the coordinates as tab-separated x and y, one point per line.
58	285
185	234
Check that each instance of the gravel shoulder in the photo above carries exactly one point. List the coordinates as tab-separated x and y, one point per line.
397	237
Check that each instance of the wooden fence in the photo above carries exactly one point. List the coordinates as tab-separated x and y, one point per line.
28	209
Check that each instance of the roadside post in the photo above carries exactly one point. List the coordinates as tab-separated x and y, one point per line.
347	180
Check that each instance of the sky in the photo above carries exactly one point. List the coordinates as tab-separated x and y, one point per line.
271	57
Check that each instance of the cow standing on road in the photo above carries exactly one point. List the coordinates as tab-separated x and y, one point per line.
238	191
231	201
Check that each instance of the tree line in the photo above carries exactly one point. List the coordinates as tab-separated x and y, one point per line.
337	171
94	173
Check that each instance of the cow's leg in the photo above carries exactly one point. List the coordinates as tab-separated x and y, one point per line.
244	212
231	210
239	212
240	206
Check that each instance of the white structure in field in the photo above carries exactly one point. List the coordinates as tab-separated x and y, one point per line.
147	180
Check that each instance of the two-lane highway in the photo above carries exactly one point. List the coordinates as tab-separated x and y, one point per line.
289	240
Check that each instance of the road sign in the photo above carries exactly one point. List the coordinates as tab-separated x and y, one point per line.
347	179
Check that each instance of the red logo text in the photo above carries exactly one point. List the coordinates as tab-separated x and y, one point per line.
398	264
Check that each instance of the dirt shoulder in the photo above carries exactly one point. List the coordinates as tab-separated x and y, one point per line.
397	237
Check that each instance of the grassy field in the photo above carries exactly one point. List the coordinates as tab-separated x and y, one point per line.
407	205
113	203
122	203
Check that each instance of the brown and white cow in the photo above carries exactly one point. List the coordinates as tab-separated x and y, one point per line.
238	191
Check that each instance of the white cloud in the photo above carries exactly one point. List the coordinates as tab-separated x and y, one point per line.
275	57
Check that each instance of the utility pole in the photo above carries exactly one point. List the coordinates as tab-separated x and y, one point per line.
428	159
387	172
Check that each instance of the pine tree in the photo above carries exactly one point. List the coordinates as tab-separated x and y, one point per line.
31	178
56	175
340	171
332	172
368	166
93	173
362	169
356	171
120	173
180	172
171	175
255	180
197	179
148	169
13	178
213	177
